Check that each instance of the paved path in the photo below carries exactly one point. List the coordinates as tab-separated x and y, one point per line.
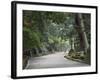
56	60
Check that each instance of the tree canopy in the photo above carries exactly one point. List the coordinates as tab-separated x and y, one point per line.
46	32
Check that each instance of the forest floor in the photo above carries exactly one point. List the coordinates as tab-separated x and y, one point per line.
55	60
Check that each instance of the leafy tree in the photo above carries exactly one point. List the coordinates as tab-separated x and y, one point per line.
30	39
55	31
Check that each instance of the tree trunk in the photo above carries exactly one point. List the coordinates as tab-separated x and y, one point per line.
81	31
72	43
44	26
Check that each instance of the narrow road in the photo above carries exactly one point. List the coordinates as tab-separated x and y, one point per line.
56	60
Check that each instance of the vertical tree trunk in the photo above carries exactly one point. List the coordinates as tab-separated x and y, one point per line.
81	31
44	26
86	45
72	43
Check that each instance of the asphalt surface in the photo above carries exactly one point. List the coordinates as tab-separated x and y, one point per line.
55	60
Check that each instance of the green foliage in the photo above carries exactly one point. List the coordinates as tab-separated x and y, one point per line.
52	29
30	39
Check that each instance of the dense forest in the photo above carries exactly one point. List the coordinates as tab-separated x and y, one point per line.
48	32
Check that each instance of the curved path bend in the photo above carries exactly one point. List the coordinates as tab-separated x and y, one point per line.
55	60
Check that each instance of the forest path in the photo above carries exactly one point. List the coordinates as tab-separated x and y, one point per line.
55	60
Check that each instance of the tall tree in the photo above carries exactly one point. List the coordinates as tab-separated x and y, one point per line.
81	31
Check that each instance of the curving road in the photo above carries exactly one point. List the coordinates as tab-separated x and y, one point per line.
56	60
